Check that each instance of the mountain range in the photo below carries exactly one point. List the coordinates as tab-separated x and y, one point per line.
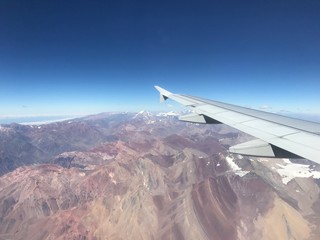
148	176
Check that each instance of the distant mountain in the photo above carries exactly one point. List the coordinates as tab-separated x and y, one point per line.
25	145
16	148
143	176
165	114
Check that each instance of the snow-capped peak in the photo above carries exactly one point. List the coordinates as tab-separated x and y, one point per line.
142	113
166	114
5	129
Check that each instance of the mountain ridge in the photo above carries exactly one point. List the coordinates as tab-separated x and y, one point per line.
128	179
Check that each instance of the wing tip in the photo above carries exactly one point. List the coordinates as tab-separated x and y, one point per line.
164	94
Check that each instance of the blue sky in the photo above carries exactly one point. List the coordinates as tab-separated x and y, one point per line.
84	57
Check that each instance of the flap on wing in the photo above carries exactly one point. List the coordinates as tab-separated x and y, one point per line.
198	118
255	147
260	148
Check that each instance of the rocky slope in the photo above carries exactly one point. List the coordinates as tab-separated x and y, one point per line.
152	177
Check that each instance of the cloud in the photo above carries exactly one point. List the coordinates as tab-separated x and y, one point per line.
169	105
265	107
284	111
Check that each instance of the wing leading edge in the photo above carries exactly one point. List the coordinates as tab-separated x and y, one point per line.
278	136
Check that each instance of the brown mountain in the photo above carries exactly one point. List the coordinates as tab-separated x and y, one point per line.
152	177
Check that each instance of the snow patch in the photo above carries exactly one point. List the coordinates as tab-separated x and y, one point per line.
237	170
142	113
286	160
166	114
111	175
3	129
292	170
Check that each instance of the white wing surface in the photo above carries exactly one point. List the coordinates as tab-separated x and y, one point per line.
278	136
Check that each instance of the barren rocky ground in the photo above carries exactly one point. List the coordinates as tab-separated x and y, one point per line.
127	176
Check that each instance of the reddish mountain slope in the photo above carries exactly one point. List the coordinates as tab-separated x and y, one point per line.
157	180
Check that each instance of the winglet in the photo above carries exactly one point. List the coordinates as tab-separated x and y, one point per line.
164	94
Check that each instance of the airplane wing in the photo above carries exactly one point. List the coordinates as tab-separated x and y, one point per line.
278	136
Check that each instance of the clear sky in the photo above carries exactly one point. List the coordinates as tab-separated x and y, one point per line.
81	57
